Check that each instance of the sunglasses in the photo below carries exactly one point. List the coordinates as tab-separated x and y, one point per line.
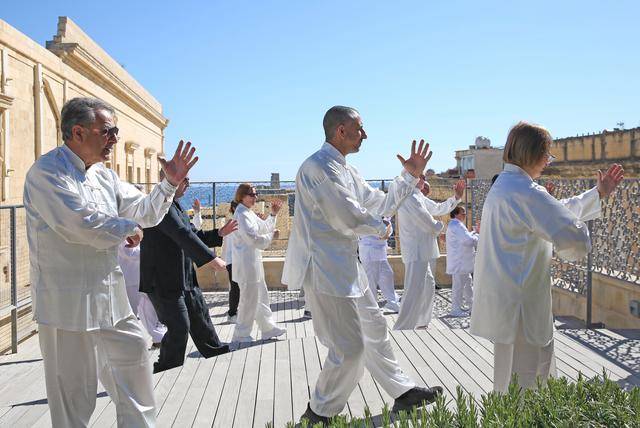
253	195
110	133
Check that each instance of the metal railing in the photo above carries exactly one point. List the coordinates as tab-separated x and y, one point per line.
15	296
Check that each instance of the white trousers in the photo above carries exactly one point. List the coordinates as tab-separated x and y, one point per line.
149	319
134	295
73	362
254	306
416	307
355	332
524	360
380	276
461	291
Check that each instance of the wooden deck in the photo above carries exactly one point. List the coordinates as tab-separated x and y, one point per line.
271	381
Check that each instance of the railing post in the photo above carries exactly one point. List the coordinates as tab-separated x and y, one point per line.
14	282
213	218
589	285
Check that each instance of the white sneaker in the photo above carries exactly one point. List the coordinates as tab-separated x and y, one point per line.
277	331
232	319
392	307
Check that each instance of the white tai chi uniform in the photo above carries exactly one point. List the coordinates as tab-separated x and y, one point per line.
129	261
419	245
461	253
253	236
76	219
333	206
373	255
521	223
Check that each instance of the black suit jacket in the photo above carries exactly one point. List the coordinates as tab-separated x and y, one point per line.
169	250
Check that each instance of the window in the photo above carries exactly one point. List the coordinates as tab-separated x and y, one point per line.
138	175
130	173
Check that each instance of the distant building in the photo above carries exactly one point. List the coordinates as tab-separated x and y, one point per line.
483	160
581	155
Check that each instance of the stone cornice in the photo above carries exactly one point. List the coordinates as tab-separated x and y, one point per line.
85	63
131	147
148	152
6	101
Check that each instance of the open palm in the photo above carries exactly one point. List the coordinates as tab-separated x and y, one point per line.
608	181
418	159
178	167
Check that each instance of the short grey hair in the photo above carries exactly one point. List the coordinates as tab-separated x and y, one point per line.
81	111
336	116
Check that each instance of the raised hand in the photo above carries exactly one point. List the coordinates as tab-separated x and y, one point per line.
196	205
276	233
178	167
550	186
230	227
418	159
458	189
608	181
263	216
276	204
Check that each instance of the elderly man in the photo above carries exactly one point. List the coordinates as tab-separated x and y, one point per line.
333	206
78	212
419	245
461	246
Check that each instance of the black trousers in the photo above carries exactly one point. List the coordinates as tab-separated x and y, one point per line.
234	294
184	312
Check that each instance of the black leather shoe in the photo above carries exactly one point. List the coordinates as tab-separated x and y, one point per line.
219	351
415	397
313	418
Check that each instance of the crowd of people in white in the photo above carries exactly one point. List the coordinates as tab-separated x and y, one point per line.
91	298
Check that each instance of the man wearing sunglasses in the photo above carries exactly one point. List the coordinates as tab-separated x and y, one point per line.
78	212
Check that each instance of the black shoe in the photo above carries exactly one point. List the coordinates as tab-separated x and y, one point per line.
219	351
313	418
307	314
415	397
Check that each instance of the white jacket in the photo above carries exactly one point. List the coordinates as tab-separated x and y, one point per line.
253	236
334	205
521	223
418	229
76	219
461	248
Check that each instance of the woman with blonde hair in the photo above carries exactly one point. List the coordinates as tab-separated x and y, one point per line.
254	235
521	224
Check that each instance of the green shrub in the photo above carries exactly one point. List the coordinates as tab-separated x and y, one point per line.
596	402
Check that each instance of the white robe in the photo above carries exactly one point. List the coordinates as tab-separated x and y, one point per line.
520	224
373	255
418	243
461	246
253	236
334	205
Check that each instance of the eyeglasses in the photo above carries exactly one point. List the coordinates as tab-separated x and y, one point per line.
550	158
110	133
253	195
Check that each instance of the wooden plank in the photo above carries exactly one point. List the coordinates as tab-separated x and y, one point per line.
266	381
248	389
194	396
283	400
169	409
299	382
211	397
230	394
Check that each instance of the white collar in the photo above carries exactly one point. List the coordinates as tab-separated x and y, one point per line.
334	153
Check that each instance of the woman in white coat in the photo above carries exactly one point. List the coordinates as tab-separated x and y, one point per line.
461	249
253	236
521	223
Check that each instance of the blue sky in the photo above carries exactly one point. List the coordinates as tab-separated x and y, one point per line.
249	81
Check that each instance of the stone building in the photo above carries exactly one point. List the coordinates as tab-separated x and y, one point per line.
35	82
480	157
581	155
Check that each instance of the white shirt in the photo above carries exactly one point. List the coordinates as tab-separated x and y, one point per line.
521	223
461	247
197	219
372	248
75	221
129	260
334	205
253	236
418	229
227	248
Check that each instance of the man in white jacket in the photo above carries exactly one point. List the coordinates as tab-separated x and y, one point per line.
461	249
374	259
521	224
419	245
78	212
334	205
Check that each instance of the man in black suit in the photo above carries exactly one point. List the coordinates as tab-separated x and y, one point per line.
167	275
